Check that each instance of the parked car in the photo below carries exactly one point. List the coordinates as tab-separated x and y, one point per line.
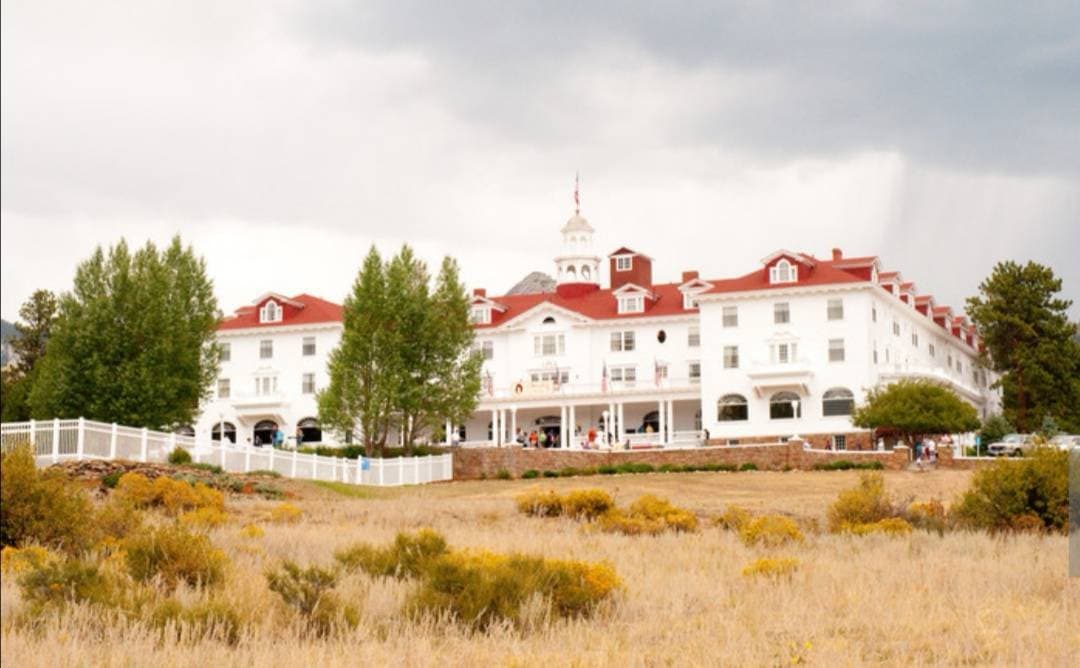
1065	441
1013	445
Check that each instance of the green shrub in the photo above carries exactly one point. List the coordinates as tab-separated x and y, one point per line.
206	620
865	504
551	474
111	479
117	519
204	466
929	516
1011	495
666	468
41	507
569	472
478	589
174	555
635	467
310	592
748	466
530	474
56	583
607	469
770	531
847	465
179	456
503	474
264	473
407	556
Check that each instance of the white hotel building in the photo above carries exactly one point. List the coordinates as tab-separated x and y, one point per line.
786	349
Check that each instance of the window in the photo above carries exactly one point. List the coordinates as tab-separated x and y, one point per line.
689	300
781	313
694	372
731	357
626	375
624	263
732	408
226	351
933	351
309	346
895	328
661	336
836	350
622	341
486	349
545	345
873	313
307	384
837	401
586	274
549	321
731	316
835	310
480	315
632	304
265	385
959	366
783	272
784	406
875	352
693	337
555	376
266	349
223	388
915	339
270	312
782	353
948	360
839	442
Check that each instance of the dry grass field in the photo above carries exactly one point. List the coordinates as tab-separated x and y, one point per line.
920	599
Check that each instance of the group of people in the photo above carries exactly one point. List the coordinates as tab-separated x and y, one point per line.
277	439
549	438
926	451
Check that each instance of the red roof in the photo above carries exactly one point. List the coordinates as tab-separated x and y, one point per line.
312	310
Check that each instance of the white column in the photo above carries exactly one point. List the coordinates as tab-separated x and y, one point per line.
613	421
112	442
671	419
513	424
143	449
622	422
662	417
449	429
494	426
572	418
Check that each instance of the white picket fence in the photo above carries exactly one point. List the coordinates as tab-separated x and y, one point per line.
57	441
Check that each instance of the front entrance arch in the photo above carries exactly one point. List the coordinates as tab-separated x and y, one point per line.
263	433
310	431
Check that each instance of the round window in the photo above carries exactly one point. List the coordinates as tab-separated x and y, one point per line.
661	336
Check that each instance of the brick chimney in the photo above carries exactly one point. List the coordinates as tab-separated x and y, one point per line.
688	276
837	254
479	292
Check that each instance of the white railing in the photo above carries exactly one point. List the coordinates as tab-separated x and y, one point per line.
645	382
57	441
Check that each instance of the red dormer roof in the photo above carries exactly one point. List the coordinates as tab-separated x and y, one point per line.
302	309
627	251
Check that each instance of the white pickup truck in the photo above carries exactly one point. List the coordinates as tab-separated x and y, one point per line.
1013	445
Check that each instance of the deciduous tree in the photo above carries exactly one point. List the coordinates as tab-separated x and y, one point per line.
916	408
36	318
134	341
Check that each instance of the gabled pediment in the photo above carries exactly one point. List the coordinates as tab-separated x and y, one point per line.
800	258
544	309
632	289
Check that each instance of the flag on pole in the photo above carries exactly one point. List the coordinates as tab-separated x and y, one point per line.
656	372
489	382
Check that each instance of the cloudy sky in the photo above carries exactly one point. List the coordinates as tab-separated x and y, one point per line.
283	138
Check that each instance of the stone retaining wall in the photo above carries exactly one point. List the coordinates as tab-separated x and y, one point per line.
474	463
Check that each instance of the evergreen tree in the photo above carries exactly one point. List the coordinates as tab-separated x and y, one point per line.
37	316
1031	343
914	409
134	342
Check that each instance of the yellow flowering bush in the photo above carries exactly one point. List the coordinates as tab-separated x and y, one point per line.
285	513
252	531
892	526
540	503
649	515
408	556
175	496
733	518
204	517
174	554
18	560
770	531
586	503
865	504
772	568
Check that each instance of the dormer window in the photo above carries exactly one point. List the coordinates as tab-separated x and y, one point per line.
783	272
632	304
481	315
689	301
624	263
270	312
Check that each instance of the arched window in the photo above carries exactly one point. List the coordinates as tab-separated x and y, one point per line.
549	320
785	406
270	312
732	408
783	272
184	430
230	432
571	272
838	401
263	433
310	431
585	273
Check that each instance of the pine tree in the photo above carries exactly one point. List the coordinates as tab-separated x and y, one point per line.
1030	341
36	318
134	342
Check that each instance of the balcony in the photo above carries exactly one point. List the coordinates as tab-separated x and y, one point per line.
257	404
527	390
768	377
952	379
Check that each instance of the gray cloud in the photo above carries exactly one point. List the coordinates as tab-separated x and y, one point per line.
274	132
